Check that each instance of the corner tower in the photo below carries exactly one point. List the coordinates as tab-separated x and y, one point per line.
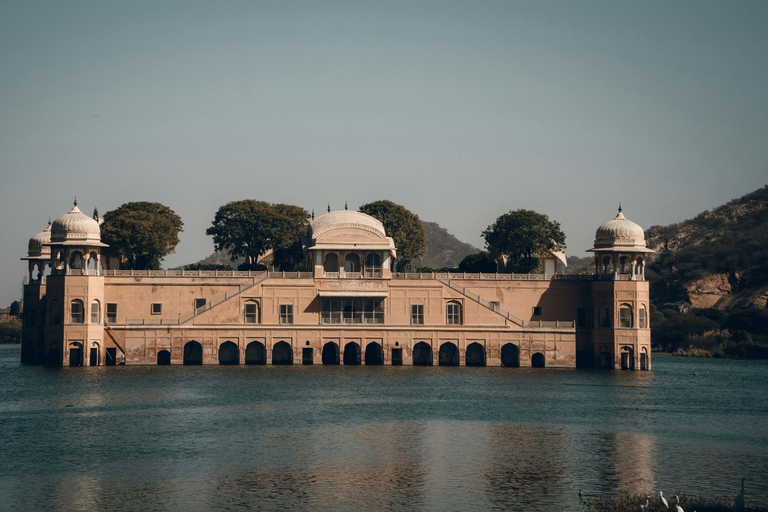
621	335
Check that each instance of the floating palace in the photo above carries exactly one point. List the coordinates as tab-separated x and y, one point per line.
351	308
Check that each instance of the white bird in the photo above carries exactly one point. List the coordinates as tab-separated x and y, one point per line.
663	500
678	508
738	501
643	508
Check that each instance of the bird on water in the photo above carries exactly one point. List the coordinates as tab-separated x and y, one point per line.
663	500
643	508
678	508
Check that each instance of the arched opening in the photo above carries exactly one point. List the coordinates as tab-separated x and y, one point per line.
193	353
93	357
644	359
625	316
76	260
627	358
397	356
605	359
422	354
282	353
93	261
351	354
549	267
229	353
307	355
331	262
331	353
642	317
163	358
537	360
374	355
76	354
251	312
448	355
510	356
255	353
54	357
76	313
351	263
475	355
373	265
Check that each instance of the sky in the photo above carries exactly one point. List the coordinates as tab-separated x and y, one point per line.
460	111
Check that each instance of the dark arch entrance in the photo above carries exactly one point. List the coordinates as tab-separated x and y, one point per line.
510	356
229	353
193	353
76	355
449	355
331	353
537	360
163	358
352	354
422	354
255	353
282	353
475	355
374	355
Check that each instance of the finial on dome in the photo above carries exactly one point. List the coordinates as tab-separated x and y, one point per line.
345	206
329	207
313	214
49	222
619	207
75	200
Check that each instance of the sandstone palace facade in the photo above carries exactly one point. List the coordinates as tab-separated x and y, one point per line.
351	308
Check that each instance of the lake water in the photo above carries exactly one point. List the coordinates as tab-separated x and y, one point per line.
393	438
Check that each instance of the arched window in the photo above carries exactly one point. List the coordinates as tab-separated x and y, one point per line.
95	312
625	316
351	263
373	265
642	319
251	312
56	311
453	313
331	263
605	316
76	260
76	313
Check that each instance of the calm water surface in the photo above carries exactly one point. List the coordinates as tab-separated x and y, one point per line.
352	438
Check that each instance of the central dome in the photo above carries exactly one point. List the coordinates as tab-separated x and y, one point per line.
619	232
75	226
346	219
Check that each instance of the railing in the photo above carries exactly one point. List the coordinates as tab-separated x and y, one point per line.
207	273
331	275
511	277
353	275
488	304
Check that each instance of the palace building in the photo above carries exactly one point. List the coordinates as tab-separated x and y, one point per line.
351	308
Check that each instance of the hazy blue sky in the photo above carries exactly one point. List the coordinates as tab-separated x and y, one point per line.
461	111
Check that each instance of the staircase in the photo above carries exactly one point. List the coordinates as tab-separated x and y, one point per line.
485	303
219	300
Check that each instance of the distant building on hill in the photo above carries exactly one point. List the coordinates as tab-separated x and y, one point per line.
81	309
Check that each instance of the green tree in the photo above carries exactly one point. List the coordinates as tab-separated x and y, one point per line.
520	235
402	225
15	309
250	229
478	262
142	233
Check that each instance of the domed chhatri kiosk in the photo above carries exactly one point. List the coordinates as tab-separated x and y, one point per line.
350	307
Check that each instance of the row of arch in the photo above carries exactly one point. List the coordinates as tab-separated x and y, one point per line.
282	354
351	264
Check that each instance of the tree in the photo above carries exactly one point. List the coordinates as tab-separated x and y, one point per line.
519	236
142	233
15	309
250	229
402	225
477	263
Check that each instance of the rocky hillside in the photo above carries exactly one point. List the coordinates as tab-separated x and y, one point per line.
717	259
443	250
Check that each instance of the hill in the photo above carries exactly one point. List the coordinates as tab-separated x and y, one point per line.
443	250
717	259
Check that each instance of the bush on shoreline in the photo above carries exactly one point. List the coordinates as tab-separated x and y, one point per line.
630	502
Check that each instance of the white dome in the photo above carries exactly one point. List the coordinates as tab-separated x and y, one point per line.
37	243
75	226
346	219
619	232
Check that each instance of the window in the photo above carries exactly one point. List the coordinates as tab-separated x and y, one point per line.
251	313
199	303
374	311
157	308
352	312
330	312
453	313
55	311
76	312
286	313
643	320
373	265
625	316
605	316
112	312
581	317
536	310
95	312
417	314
